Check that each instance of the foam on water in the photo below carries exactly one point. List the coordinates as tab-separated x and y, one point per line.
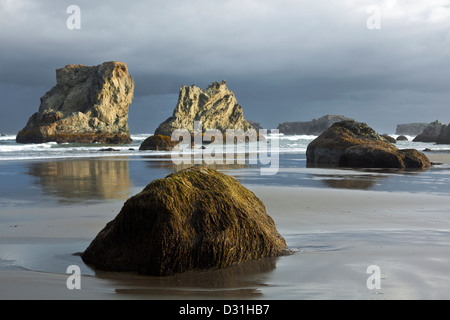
10	150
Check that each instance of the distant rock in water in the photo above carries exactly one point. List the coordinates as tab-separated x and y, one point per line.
431	132
411	129
355	145
402	138
215	107
195	219
87	105
314	127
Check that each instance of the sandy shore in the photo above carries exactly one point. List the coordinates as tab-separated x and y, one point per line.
336	234
336	239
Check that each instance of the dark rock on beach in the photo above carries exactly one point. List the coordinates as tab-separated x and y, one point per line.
195	219
389	138
355	144
87	105
108	150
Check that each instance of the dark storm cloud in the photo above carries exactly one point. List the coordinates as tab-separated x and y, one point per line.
284	60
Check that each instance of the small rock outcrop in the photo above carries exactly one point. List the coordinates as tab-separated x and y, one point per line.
402	138
431	132
355	144
215	107
158	143
411	129
314	127
195	219
87	105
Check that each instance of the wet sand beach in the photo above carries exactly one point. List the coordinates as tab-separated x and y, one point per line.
338	223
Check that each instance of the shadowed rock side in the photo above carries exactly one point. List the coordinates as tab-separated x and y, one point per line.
444	136
216	108
197	218
431	133
87	105
356	145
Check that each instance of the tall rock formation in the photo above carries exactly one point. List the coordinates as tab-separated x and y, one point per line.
216	108
87	105
314	127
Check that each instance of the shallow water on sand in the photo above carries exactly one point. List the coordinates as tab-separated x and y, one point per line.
338	222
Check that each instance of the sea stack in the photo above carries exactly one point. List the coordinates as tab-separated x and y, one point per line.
215	107
195	219
355	145
87	105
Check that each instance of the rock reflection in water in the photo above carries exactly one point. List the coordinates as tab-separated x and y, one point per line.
80	180
351	181
237	282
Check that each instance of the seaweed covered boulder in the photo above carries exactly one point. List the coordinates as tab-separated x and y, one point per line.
195	219
354	144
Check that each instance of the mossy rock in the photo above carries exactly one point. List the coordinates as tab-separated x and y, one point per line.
388	138
354	144
197	218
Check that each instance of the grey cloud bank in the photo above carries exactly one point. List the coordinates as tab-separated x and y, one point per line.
284	60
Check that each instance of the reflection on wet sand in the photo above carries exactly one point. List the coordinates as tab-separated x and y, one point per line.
165	162
352	182
365	179
239	281
78	180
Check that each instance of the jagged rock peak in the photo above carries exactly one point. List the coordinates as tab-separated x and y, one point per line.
215	107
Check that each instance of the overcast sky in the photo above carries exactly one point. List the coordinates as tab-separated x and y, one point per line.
285	60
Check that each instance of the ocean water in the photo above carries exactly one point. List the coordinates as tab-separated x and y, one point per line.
53	174
10	150
54	198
